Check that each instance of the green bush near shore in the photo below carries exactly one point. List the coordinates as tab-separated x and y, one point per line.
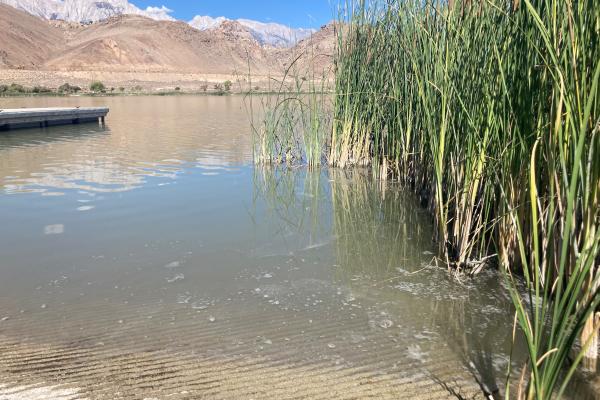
41	89
68	88
14	88
97	87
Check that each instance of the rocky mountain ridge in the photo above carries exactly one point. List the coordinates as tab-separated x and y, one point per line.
270	34
134	50
90	11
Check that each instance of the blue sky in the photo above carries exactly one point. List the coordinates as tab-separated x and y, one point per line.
295	13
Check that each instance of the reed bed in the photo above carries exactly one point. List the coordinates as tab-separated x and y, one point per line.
490	111
292	121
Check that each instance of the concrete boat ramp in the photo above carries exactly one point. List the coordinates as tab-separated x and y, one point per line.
41	117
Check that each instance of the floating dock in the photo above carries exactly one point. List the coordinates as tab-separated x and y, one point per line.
40	117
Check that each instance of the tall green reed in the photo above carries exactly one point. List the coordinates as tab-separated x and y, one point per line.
489	110
293	116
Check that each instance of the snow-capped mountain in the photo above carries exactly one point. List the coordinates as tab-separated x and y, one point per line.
86	10
265	33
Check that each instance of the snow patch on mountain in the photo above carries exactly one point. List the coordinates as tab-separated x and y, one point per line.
86	10
271	34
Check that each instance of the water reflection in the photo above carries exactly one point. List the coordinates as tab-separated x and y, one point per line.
156	233
481	346
381	230
383	266
135	145
297	201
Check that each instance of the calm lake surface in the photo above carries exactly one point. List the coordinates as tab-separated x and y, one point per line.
149	260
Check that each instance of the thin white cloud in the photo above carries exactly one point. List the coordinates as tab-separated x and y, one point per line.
160	13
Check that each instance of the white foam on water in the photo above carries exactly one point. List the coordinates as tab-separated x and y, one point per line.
317	245
386	323
414	352
178	277
183	298
85	208
38	393
57	229
173	265
203	304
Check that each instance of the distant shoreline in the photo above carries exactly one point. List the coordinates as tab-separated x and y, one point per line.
153	94
23	83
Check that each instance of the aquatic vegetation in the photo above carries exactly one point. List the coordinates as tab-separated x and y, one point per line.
294	116
490	111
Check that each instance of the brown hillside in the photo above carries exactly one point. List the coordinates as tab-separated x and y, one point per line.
134	43
26	42
318	51
141	47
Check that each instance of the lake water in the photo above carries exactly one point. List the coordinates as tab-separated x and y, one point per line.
148	259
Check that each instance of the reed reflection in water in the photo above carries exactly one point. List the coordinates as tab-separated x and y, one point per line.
384	257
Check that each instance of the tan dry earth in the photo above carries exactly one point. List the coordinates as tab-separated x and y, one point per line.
26	41
128	51
316	53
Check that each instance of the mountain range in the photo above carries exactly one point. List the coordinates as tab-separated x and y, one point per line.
127	47
89	11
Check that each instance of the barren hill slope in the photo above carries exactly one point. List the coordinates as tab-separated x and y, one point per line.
317	51
132	50
26	42
135	43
